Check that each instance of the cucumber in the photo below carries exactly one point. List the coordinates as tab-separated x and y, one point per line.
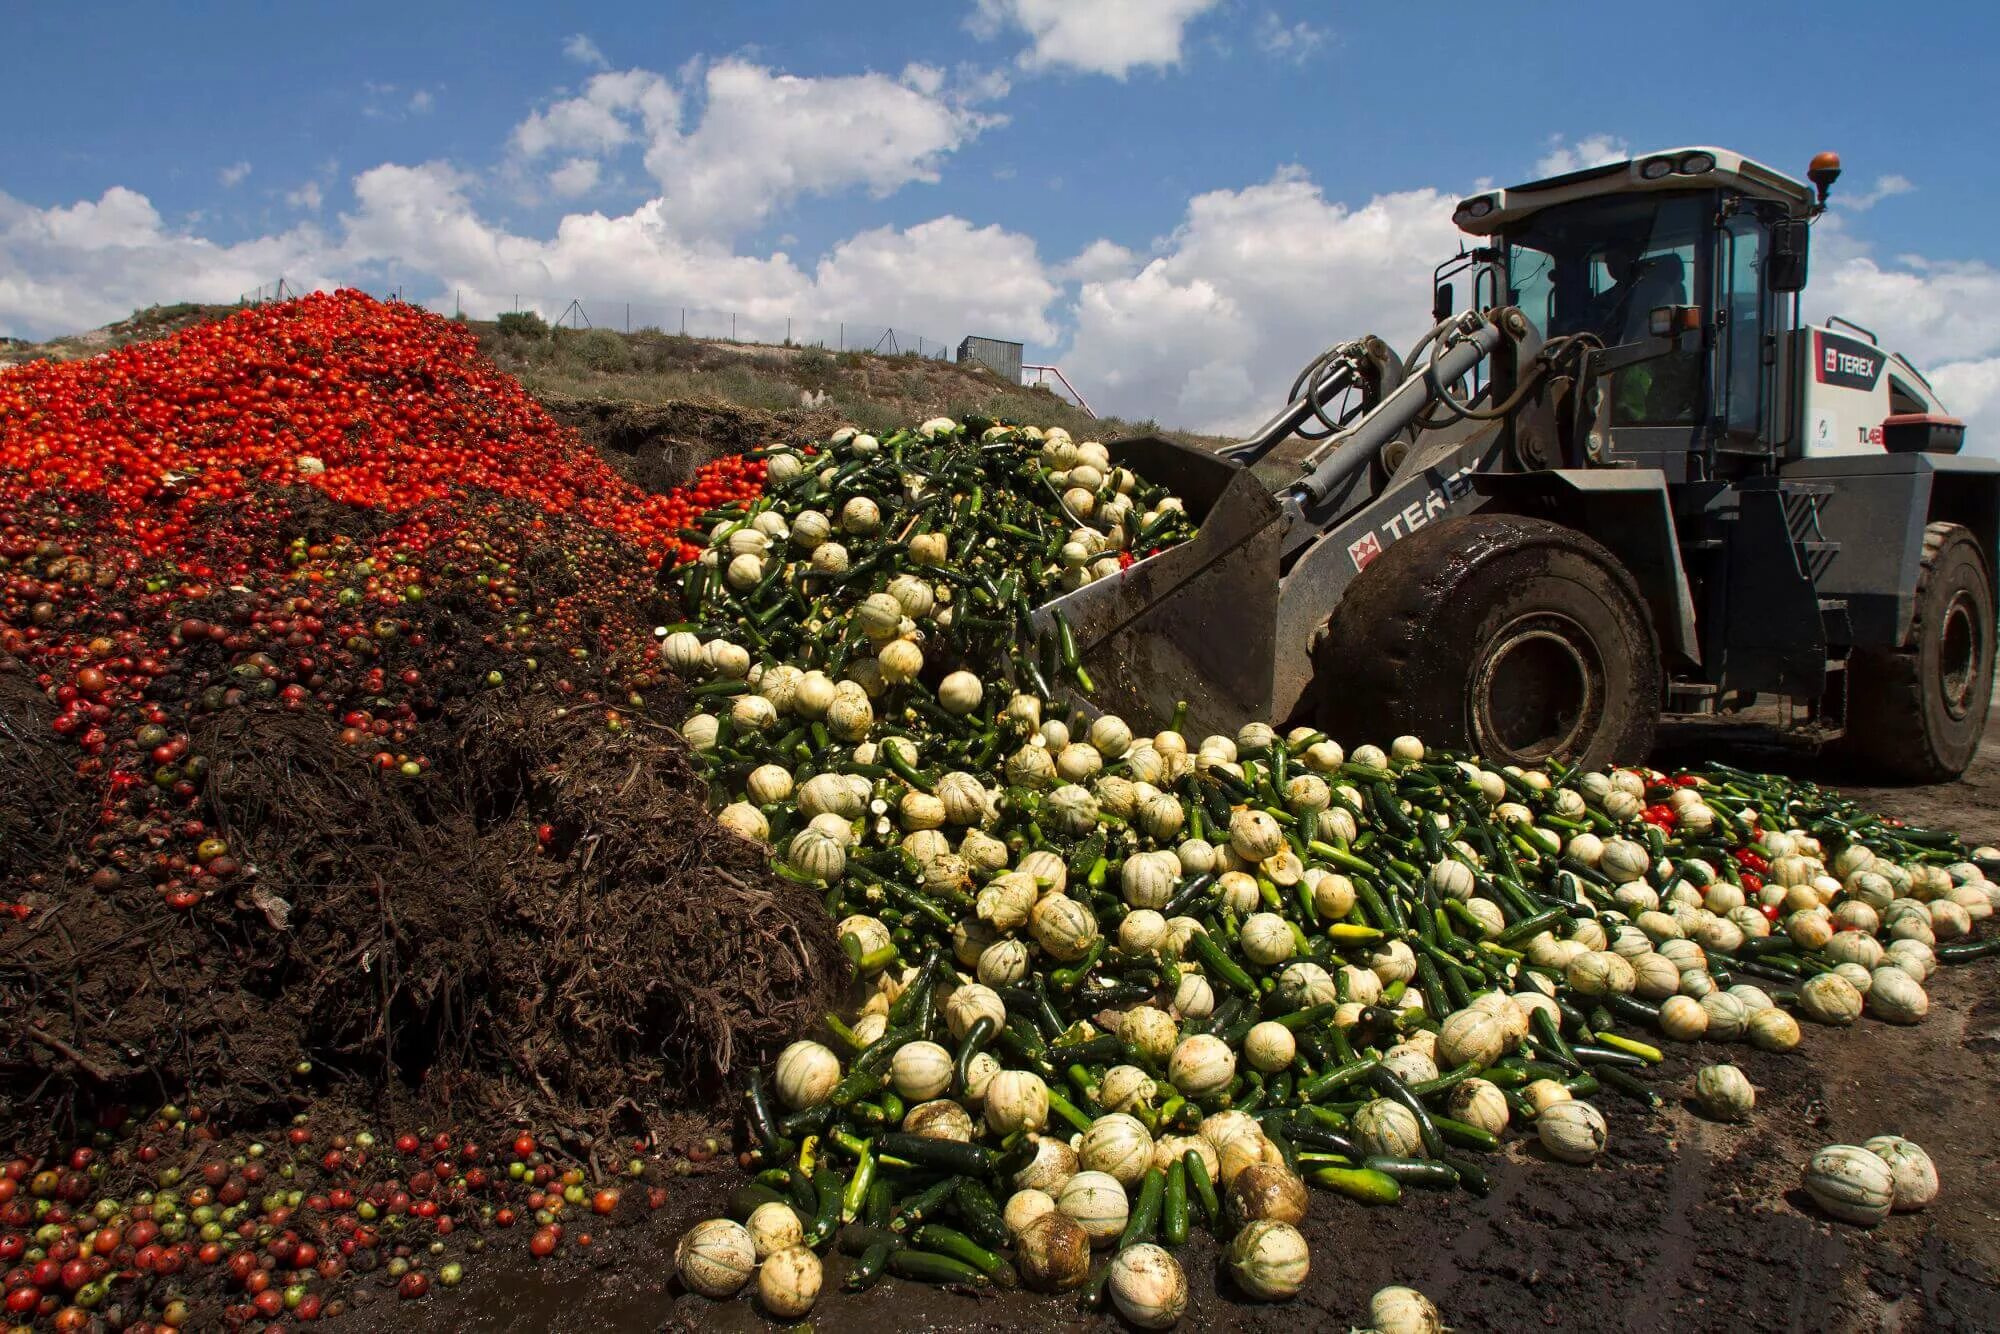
1466	1136
913	1211
945	1155
979	1213
857	1239
942	1240
1358	1183
1390	1086
929	1267
826	1218
762	1120
1470	1175
1146	1212
1174	1207
1412	1171
867	1271
1202	1188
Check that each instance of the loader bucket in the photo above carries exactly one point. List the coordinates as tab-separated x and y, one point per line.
1196	622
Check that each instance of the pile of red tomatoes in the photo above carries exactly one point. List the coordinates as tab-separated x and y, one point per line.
330	504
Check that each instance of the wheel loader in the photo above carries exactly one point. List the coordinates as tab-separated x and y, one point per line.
1624	482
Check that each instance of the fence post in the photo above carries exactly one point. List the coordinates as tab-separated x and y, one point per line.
684	321
843	335
628	317
732	326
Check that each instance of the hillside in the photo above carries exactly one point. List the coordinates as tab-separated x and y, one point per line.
624	390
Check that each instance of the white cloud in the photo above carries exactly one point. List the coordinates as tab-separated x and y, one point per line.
974	84
583	51
1296	42
1093	36
944	275
926	79
85	264
1590	151
765	139
1971	391
615	109
939	278
1097	262
1944	315
233	175
306	197
760	139
1885	187
578	176
1209	332
421	101
1253	284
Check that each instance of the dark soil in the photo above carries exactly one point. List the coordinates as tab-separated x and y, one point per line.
548	927
1685	1225
659	445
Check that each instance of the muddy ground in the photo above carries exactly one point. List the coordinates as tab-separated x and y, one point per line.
1685	1225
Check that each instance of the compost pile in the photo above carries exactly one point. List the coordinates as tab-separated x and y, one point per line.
336	741
1120	985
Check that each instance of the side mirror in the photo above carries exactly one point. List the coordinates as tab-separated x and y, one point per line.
1789	243
1442	302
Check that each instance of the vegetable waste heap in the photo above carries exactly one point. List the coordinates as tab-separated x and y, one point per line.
1122	985
325	665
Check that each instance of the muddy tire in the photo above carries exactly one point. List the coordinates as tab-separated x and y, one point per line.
1917	712
1514	637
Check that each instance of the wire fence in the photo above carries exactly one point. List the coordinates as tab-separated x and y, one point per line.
690	321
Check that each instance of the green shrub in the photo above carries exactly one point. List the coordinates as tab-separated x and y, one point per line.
523	324
599	350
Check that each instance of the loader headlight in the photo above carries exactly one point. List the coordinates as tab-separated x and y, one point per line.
1694	164
1477	207
1653	168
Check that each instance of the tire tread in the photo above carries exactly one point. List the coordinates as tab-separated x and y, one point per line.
1365	654
1890	735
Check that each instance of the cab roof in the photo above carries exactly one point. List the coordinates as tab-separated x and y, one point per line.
1490	211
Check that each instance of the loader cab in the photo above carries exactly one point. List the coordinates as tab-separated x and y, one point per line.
1682	267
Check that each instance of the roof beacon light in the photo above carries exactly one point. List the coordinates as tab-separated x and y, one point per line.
1823	172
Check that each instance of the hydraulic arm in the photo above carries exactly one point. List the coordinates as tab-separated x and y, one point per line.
1389	398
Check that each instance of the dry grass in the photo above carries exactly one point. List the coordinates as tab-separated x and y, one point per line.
873	391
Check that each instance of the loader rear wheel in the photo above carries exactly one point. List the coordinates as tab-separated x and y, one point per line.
1917	712
1514	637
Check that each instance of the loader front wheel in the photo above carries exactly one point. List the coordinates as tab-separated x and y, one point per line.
1514	637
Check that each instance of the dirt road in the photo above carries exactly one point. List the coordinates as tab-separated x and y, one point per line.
1685	1225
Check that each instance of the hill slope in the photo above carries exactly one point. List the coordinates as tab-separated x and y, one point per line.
622	386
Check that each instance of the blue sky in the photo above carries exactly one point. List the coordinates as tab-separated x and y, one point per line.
1180	199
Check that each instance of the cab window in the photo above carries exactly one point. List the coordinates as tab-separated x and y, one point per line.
1600	267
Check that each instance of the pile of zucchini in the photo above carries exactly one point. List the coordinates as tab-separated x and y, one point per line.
1112	988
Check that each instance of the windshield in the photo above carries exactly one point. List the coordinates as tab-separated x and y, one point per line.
1601	266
